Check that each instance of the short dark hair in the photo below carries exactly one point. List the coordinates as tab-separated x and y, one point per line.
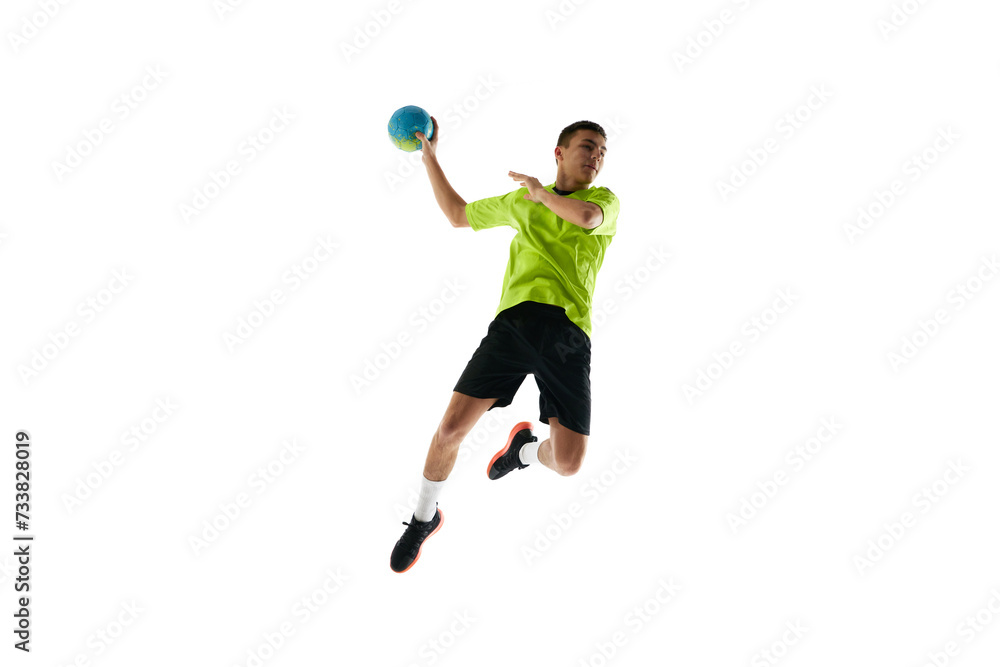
570	130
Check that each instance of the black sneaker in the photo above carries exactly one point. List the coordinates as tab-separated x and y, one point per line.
407	549
508	458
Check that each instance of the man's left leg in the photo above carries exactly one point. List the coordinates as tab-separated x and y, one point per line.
562	373
563	450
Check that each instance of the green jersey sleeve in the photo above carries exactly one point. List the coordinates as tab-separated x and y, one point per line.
608	202
494	211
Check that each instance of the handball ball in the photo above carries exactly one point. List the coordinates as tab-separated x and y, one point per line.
405	122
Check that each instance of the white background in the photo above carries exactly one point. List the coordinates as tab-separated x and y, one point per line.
534	584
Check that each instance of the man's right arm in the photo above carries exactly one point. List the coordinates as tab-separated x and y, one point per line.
450	202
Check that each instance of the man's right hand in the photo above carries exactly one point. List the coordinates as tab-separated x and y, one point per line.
451	204
429	147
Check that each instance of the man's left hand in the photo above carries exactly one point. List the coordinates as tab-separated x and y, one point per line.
535	187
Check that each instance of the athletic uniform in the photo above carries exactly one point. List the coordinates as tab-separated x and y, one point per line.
542	325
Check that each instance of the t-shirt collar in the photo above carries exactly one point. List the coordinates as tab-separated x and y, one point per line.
561	192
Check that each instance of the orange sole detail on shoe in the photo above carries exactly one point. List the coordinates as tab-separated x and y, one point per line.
420	550
517	427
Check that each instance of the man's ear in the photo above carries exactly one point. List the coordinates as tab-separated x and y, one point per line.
559	153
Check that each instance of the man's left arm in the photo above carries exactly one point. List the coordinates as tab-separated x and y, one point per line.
581	213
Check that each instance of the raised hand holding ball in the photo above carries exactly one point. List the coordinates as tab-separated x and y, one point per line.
404	124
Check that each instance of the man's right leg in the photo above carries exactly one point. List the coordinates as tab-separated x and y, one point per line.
460	417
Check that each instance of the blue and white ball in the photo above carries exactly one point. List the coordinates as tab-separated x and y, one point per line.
405	122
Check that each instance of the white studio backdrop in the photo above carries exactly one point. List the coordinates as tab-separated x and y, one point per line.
233	316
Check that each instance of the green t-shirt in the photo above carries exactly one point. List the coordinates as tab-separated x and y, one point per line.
552	260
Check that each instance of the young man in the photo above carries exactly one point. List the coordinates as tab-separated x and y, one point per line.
542	325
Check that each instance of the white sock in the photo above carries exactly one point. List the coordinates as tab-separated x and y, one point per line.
427	503
529	453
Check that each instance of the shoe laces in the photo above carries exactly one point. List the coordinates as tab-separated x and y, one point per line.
415	534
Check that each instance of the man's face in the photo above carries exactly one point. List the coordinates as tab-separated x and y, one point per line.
583	159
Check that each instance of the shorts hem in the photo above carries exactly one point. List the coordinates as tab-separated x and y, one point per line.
498	403
545	420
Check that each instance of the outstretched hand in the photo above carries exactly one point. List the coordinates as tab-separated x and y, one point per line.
535	187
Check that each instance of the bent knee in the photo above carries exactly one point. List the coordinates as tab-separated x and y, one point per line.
570	466
569	471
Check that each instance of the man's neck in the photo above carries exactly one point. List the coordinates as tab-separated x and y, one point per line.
566	184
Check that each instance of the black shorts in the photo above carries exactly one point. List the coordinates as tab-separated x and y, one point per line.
540	339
